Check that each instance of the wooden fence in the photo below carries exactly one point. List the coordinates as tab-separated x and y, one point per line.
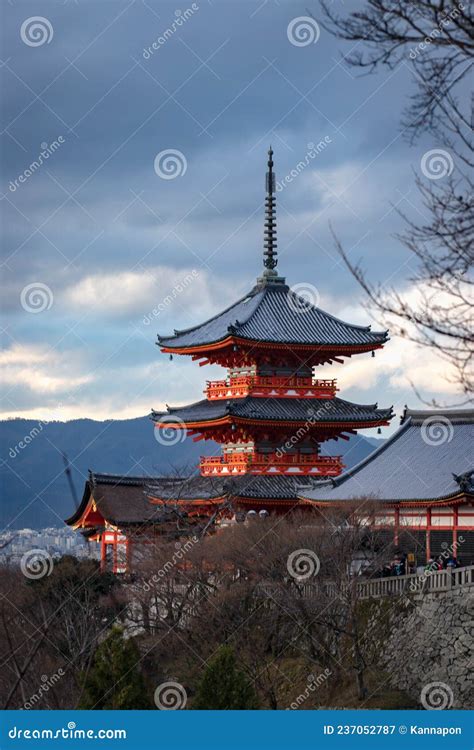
428	582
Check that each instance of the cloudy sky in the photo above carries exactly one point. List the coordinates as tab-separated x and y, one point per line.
99	237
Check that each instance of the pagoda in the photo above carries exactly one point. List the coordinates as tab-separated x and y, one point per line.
270	413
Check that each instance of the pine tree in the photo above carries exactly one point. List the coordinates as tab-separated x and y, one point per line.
224	686
114	680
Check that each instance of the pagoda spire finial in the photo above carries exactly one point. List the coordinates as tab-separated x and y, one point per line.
270	253
270	274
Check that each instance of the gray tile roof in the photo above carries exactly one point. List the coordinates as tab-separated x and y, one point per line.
417	463
193	487
249	486
273	488
289	409
121	500
275	314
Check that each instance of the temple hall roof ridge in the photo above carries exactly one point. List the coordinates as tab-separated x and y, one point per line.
412	464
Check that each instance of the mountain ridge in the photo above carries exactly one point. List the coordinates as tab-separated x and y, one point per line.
35	490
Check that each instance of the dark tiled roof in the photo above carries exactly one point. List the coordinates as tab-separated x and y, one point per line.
124	500
121	500
273	488
197	487
275	314
187	488
430	457
289	409
455	416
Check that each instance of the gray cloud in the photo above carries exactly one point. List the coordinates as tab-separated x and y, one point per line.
219	90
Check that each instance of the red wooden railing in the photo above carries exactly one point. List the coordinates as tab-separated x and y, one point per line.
261	385
271	463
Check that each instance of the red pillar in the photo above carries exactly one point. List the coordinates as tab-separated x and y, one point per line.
428	526
115	552
397	527
103	556
455	530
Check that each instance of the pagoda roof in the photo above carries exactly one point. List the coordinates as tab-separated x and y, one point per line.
273	488
194	487
429	458
273	313
249	486
277	410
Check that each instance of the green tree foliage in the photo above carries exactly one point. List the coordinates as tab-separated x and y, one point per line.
114	680
224	686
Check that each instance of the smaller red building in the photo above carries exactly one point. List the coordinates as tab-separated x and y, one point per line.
118	513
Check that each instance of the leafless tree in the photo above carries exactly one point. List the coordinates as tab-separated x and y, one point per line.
170	575
436	41
188	595
49	629
272	616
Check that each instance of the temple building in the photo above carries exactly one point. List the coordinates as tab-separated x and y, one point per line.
422	482
115	510
270	415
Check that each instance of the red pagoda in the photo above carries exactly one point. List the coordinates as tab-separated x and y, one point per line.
269	413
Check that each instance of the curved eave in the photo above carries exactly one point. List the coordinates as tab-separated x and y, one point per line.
183	502
230	341
81	512
231	419
269	501
456	499
74	520
88	516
